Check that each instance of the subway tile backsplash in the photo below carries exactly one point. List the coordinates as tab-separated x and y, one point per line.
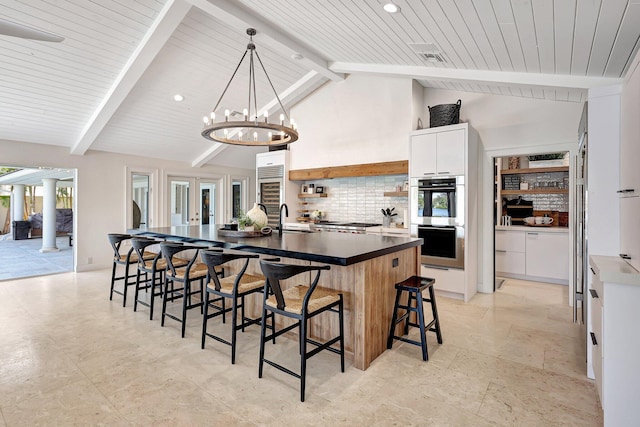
358	198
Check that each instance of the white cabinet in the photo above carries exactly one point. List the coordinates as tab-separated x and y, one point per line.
629	131
547	255
448	280
272	158
510	252
533	254
630	229
613	339
438	153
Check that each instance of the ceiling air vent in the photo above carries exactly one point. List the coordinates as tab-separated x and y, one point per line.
428	52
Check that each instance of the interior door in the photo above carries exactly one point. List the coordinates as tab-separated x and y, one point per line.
193	201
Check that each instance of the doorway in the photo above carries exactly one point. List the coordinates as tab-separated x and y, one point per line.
194	201
531	233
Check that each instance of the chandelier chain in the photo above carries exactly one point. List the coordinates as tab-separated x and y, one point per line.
271	84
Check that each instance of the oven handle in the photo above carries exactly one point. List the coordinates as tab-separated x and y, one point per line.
437	227
445	188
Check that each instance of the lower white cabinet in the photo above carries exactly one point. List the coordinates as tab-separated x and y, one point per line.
547	255
535	254
510	252
447	279
614	341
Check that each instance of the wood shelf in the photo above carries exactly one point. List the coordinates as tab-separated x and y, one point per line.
535	170
396	194
536	191
312	196
400	167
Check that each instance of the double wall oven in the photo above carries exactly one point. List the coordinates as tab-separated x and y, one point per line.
437	216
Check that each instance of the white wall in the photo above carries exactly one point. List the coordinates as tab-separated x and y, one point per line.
363	119
509	121
100	190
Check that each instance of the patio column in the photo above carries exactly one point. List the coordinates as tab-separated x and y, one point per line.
17	206
49	215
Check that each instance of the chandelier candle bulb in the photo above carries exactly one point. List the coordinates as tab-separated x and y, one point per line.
282	119
245	113
205	119
240	135
266	117
255	136
213	117
226	115
270	136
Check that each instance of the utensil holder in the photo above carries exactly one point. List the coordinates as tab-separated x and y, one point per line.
386	221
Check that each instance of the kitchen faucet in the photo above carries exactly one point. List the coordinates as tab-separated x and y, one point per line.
286	213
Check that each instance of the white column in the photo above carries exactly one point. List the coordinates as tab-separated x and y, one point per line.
18	202
49	216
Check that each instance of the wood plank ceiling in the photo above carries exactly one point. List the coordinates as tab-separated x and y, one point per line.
109	85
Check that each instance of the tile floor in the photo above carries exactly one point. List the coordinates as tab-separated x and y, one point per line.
69	356
22	258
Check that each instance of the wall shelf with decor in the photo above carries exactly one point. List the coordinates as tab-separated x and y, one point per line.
536	191
535	170
396	194
311	196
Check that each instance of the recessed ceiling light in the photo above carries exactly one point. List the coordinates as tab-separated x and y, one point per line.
391	7
178	98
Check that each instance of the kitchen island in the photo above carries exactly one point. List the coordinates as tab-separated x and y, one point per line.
364	267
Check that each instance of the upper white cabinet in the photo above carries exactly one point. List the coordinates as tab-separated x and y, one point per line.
630	230
439	152
272	158
629	146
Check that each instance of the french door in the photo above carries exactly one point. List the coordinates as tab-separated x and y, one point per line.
193	201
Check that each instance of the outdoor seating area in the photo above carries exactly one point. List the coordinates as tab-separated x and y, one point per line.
22	258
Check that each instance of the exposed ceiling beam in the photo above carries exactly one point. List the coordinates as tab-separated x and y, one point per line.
294	93
478	76
234	14
162	28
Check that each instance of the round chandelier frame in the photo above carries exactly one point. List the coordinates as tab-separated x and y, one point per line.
259	132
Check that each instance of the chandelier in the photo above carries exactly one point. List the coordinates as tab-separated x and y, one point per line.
252	130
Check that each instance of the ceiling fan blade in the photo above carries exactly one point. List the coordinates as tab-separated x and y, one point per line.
14	29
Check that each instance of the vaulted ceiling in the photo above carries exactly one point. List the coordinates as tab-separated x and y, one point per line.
110	84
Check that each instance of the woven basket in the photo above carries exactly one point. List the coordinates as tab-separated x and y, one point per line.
444	114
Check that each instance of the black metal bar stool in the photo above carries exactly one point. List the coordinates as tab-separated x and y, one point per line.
235	287
154	268
192	272
301	302
125	260
414	286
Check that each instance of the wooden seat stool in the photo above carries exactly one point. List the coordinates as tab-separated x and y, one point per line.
414	286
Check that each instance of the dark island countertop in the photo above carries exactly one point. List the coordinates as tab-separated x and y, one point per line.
325	247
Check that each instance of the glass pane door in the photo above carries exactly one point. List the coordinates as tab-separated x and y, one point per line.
207	202
181	210
140	195
193	201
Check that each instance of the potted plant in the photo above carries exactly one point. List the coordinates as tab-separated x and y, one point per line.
245	223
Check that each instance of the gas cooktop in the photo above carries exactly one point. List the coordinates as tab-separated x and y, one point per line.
351	227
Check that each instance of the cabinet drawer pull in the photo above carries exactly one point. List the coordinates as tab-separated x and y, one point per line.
594	341
593	271
444	173
626	190
533	234
593	293
625	256
428	173
500	250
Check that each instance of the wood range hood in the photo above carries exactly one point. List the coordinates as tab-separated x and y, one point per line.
400	167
